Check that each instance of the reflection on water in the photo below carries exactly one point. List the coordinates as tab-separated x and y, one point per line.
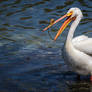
29	59
80	87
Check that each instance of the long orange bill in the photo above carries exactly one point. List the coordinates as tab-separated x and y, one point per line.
54	22
65	24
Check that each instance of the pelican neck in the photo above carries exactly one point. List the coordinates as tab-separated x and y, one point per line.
73	28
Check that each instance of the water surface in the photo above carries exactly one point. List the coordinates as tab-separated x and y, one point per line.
30	61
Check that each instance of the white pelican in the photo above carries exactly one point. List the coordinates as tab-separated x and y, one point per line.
78	50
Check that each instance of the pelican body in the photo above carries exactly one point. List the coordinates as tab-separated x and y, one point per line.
78	50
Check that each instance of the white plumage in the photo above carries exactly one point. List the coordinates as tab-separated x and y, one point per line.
77	51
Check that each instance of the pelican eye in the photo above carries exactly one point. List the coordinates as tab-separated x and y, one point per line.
70	13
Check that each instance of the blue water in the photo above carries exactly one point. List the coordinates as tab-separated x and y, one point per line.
30	61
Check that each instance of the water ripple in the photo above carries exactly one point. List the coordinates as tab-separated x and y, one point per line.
29	59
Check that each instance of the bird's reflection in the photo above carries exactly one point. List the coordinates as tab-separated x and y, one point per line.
80	86
91	87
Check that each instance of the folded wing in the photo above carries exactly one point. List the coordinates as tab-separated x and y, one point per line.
83	43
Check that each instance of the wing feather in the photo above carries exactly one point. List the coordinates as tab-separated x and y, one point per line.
83	43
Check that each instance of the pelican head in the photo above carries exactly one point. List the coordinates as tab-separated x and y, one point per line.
75	12
71	15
